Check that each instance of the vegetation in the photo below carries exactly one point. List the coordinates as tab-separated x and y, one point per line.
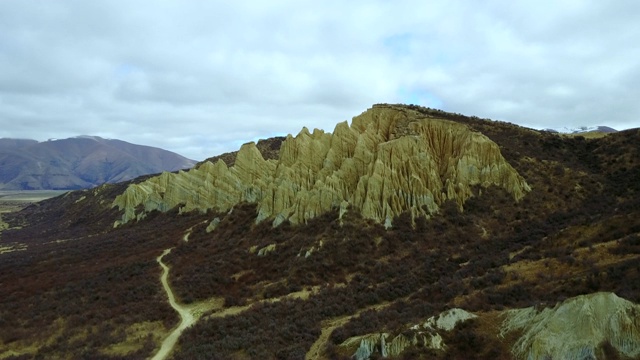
80	284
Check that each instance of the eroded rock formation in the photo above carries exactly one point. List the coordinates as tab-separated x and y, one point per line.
447	320
390	160
590	326
370	344
426	335
577	328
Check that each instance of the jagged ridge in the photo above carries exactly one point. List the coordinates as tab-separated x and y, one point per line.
390	160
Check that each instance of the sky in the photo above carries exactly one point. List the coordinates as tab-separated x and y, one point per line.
203	77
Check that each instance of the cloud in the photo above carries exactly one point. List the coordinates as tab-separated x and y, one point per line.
201	78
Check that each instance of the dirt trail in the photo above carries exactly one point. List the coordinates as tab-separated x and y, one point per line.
187	318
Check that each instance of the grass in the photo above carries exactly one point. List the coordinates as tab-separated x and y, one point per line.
12	248
589	134
134	336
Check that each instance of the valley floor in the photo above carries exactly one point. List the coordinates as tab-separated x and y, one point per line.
28	195
15	200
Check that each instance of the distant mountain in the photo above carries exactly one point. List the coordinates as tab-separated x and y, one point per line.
79	162
6	143
583	129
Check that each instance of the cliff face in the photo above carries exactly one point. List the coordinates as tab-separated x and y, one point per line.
390	160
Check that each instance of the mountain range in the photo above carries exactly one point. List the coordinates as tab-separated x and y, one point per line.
79	162
408	233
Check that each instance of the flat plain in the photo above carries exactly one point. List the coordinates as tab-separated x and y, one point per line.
16	200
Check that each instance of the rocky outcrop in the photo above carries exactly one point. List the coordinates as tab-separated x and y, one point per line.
577	328
369	344
447	320
267	249
590	326
426	335
213	225
390	160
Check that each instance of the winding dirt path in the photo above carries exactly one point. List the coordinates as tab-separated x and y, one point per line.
186	317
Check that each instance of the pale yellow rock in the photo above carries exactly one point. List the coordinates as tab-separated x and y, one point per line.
447	320
212	225
390	160
397	346
576	328
368	344
267	249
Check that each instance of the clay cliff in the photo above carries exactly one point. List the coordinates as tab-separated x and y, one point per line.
390	160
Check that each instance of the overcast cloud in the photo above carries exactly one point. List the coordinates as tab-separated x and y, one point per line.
202	77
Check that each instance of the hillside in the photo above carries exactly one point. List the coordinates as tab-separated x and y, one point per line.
408	233
80	162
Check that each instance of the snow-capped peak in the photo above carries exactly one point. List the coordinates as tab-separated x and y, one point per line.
582	129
